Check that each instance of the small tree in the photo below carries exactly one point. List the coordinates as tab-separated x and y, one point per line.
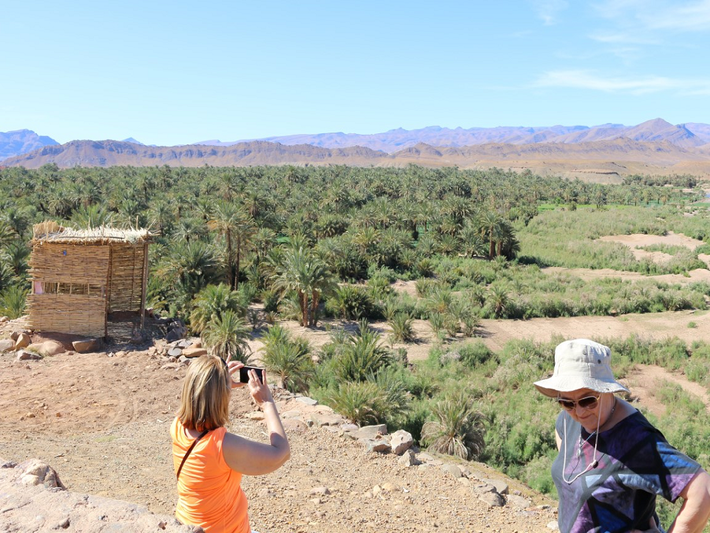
227	336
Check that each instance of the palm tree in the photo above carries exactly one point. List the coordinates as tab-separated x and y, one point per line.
457	430
289	359
236	226
227	337
308	276
210	303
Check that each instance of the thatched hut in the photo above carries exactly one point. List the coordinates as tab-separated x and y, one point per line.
80	277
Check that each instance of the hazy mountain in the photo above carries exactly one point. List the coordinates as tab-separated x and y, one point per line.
394	140
22	141
604	151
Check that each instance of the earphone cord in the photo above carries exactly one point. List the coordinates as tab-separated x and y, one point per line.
594	462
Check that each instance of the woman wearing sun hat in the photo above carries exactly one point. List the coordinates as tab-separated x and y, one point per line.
612	462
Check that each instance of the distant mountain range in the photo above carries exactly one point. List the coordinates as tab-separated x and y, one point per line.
603	152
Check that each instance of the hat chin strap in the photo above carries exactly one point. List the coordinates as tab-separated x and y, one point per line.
594	462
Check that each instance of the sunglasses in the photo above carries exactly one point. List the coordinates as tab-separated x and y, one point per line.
588	402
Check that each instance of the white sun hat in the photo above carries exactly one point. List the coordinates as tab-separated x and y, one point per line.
581	364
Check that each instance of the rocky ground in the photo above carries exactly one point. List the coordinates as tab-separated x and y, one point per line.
101	420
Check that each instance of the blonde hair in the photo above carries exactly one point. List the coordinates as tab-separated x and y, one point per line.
204	404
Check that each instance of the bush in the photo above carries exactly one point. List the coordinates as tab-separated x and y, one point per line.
402	328
457	428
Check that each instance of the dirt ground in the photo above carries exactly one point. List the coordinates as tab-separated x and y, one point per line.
102	421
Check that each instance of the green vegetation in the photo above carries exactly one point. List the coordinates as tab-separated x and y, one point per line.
330	241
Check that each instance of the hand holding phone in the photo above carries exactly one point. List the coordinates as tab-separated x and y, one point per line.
244	373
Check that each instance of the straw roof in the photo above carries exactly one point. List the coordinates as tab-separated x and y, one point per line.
51	232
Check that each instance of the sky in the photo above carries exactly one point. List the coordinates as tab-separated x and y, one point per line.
180	72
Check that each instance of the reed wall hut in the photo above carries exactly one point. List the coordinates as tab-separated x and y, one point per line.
81	277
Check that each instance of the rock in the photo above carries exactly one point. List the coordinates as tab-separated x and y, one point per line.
23	341
327	419
87	345
24	355
7	345
294	425
452	470
518	502
319	491
500	485
350	427
174	352
306	400
33	500
553	525
401	441
408	458
47	348
194	352
381	446
36	472
4	319
493	499
371	432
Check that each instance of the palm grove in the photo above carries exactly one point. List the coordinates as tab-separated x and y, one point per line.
238	250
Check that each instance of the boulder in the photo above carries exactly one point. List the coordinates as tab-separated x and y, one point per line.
401	441
24	355
7	345
493	499
409	458
87	345
371	432
23	341
191	352
377	445
451	470
47	348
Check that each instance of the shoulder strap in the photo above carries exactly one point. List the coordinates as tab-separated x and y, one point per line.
190	450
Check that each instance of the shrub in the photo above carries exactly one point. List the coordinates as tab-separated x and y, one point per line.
360	402
13	301
350	303
402	328
457	428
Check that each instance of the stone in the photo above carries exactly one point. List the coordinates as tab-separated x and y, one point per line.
553	525
35	472
401	441
371	432
321	419
47	348
174	352
500	485
192	352
306	400
493	499
23	341
24	355
518	502
7	345
452	470
87	345
380	446
294	425
408	458
4	319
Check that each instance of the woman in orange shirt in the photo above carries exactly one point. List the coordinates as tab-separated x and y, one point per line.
209	461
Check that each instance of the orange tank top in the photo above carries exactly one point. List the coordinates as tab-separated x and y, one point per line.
209	492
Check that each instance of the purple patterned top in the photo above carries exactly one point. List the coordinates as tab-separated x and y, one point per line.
635	463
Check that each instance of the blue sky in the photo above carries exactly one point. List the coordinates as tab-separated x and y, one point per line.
179	72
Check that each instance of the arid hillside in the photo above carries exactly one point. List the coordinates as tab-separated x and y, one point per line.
604	161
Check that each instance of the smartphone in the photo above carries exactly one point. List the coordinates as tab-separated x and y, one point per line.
244	373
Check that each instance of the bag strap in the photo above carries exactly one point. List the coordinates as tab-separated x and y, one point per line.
190	449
